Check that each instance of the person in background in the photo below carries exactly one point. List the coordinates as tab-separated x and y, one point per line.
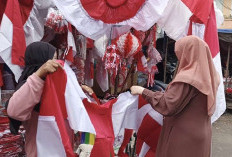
188	102
23	106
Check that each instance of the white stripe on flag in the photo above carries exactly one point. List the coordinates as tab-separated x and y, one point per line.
145	148
51	138
77	115
175	19
220	99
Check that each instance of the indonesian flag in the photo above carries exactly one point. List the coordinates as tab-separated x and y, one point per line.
62	112
66	109
22	22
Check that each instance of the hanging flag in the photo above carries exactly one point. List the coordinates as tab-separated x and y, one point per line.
22	23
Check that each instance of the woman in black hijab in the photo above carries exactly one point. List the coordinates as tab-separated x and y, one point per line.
24	105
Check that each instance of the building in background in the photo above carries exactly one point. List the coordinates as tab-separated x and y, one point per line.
226	7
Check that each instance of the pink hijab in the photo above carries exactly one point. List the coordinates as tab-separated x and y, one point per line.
196	68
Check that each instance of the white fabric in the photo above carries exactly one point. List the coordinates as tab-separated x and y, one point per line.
71	42
6	38
125	113
198	30
77	114
220	100
145	148
102	76
48	139
34	26
148	15
75	14
175	19
101	45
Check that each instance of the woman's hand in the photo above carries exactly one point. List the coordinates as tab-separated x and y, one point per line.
136	90
49	67
87	89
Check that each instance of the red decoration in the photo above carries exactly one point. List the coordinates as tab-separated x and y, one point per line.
128	45
112	11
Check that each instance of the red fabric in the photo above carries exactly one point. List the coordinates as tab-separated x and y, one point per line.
150	153
127	135
140	66
1	75
100	116
142	102
96	99
4	120
91	70
124	50
2	8
190	29
25	9
200	8
18	14
90	43
69	56
149	132
53	95
211	34
112	11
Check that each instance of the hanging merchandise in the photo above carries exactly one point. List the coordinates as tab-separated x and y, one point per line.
112	60
78	66
1	75
80	42
56	21
89	67
102	76
100	45
128	45
121	53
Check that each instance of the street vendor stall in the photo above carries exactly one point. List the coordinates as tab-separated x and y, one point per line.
105	46
225	41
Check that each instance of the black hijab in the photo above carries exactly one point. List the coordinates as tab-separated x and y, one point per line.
36	55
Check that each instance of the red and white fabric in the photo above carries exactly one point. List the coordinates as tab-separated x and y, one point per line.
146	17
133	112
62	100
22	23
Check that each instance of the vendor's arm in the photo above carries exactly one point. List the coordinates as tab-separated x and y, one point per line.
25	98
173	100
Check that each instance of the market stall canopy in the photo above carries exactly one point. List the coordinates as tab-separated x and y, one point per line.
225	40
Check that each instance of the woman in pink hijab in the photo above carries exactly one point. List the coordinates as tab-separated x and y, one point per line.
188	103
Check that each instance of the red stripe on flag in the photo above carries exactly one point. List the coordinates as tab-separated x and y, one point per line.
211	35
127	135
200	8
149	132
100	116
2	8
18	16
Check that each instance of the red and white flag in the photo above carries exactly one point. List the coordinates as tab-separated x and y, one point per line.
22	23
